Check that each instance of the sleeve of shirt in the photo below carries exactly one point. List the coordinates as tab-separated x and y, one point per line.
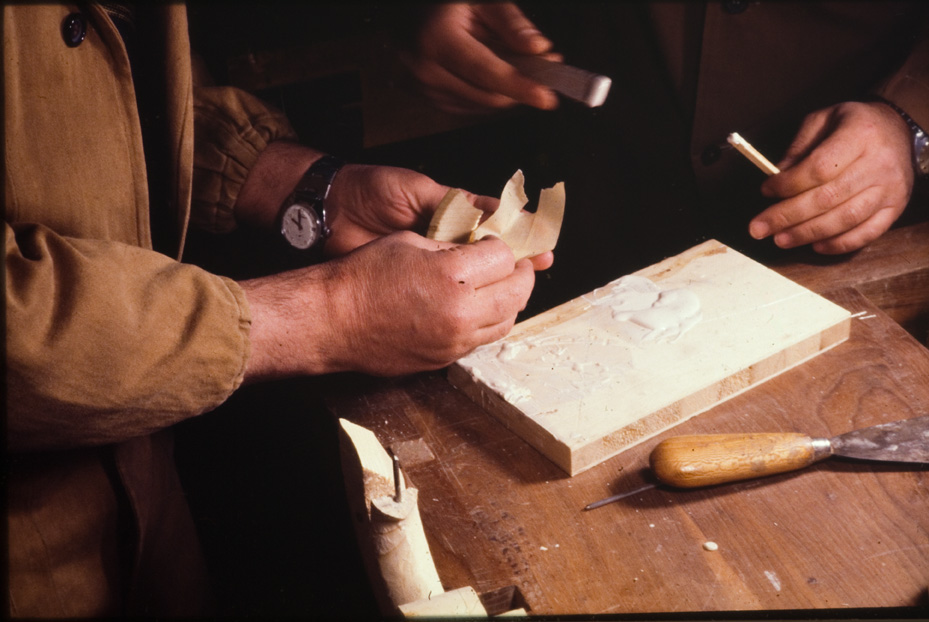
231	129
106	341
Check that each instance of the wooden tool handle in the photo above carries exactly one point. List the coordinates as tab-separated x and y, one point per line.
704	460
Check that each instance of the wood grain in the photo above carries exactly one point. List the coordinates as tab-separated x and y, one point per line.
892	272
837	535
708	459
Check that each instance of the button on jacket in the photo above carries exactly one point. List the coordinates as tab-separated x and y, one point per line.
110	342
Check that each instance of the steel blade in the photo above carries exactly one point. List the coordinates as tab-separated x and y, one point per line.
897	441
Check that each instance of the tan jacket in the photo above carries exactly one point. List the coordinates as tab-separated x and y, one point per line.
109	341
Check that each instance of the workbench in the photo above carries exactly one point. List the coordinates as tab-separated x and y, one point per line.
503	519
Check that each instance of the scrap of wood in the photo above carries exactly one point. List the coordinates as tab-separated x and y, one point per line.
391	531
752	154
527	233
391	534
376	465
600	392
461	602
455	219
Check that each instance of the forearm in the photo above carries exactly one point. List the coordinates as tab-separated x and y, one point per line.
292	331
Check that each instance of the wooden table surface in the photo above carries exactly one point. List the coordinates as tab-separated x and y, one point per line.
501	518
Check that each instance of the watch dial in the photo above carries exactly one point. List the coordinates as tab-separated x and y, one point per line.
921	151
300	226
922	160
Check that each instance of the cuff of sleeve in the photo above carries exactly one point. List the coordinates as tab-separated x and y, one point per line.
245	326
232	129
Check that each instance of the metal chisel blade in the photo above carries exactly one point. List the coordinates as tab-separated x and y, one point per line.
897	441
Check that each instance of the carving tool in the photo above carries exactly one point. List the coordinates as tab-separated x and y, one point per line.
614	498
704	460
398	489
578	84
752	154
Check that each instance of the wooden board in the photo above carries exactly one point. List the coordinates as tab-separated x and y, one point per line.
581	386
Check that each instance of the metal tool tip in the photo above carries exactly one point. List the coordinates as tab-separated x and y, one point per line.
398	490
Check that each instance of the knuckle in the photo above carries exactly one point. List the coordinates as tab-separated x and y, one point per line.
855	213
812	232
779	220
406	237
826	197
454	266
822	169
456	319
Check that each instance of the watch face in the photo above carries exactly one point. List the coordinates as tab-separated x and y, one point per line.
921	146
300	226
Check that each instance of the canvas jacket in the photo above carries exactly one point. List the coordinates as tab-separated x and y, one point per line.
110	342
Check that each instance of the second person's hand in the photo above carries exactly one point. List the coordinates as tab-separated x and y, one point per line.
844	181
456	59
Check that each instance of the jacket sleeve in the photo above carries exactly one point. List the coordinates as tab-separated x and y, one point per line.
231	128
106	341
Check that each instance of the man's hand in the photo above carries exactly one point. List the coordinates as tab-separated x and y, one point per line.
364	203
456	59
844	181
367	202
398	305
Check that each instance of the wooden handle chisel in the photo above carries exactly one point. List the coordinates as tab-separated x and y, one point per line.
705	460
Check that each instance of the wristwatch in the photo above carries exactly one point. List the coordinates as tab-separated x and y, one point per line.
302	219
920	141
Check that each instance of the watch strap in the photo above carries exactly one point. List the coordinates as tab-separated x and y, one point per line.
920	140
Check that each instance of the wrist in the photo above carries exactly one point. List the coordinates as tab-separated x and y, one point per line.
273	178
291	333
302	219
919	140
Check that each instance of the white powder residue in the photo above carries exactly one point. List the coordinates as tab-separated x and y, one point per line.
581	360
772	577
657	314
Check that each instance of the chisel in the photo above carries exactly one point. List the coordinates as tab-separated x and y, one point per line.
588	88
705	460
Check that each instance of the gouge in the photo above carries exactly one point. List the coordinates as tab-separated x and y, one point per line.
704	460
588	88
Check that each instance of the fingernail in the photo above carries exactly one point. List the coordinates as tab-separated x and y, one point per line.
783	240
549	99
758	230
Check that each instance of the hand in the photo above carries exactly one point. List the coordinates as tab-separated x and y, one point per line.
844	181
364	202
399	305
368	202
458	69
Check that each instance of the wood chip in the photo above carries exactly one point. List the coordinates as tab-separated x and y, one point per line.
527	233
